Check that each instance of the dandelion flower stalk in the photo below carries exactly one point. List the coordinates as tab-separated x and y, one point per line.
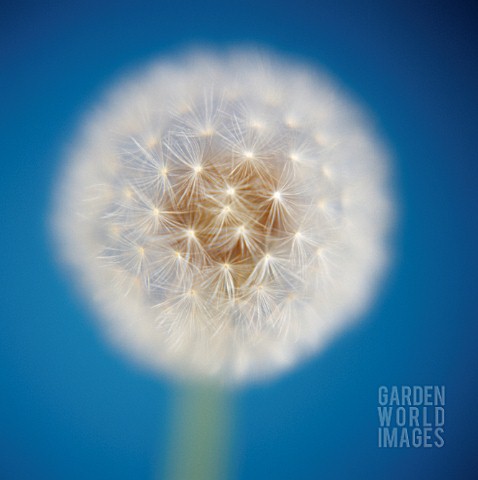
201	434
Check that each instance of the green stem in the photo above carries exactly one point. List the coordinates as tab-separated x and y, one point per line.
200	437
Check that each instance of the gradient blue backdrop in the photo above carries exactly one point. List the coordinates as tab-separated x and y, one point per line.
71	408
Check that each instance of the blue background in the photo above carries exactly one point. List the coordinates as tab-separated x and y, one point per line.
71	408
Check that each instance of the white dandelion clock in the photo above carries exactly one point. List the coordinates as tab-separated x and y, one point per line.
226	214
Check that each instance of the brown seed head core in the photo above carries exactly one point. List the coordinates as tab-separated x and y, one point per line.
229	211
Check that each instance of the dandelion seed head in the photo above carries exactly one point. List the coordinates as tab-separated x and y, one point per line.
203	211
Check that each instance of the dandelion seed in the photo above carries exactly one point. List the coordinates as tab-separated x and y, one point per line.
235	219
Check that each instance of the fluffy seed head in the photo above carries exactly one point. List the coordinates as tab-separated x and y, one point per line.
226	214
